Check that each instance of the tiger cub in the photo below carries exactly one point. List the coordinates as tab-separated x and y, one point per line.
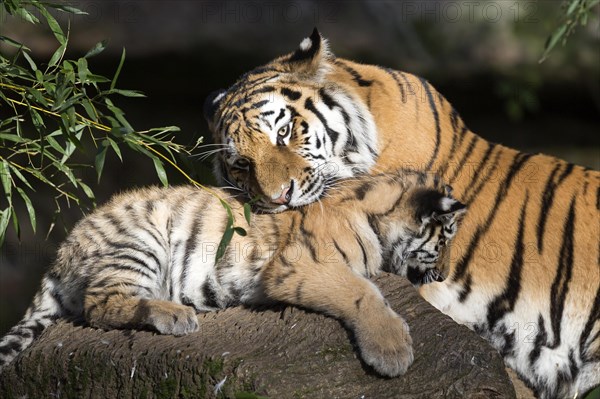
146	260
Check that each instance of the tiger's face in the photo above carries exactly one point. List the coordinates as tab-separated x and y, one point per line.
284	135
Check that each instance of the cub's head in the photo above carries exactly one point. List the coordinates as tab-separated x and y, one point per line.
284	131
416	218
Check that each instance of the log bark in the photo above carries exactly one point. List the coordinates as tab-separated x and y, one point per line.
249	354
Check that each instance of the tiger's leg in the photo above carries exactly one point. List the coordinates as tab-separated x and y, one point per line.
122	307
382	335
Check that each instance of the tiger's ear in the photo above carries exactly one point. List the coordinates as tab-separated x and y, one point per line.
311	59
211	104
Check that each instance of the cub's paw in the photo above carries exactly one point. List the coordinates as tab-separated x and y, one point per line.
172	318
386	346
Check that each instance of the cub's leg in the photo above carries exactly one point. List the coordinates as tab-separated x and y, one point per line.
382	335
121	308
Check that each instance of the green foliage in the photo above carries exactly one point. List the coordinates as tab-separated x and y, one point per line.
62	109
54	113
593	394
576	12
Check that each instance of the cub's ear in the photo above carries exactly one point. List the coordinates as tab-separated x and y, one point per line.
433	205
311	59
450	210
211	104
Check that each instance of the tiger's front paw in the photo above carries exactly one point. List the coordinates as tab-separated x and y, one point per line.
386	346
172	318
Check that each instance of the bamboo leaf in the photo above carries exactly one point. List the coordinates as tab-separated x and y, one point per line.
30	208
20	176
572	6
53	24
127	93
229	211
16	225
118	72
240	230
165	129
37	96
247	212
68	9
57	55
160	171
82	69
13	43
115	148
4	220
225	240
89	109
30	61
87	190
552	41
97	49
5	179
99	161
26	15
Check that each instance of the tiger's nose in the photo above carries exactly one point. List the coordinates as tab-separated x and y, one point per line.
285	196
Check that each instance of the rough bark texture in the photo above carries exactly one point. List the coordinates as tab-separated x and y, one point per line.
281	353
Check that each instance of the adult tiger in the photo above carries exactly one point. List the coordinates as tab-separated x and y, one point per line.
525	272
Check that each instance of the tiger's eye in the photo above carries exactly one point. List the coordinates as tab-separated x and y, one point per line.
284	131
241	163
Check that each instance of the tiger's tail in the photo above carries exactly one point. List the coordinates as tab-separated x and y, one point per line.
43	311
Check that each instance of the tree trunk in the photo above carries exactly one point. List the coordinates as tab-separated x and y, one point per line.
245	354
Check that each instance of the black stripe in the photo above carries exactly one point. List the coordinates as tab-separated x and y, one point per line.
355	75
190	246
463	159
455	121
364	253
361	191
509	344
585	341
473	190
121	283
307	236
466	288
436	118
299	288
292	95
541	339
461	267
564	272
344	255
10	347
393	73
281	115
132	259
209	295
265	89
259	104
505	302
333	135
327	99
547	201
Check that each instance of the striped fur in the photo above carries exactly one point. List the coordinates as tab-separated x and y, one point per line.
527	271
147	260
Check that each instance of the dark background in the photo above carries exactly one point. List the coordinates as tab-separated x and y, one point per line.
482	55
